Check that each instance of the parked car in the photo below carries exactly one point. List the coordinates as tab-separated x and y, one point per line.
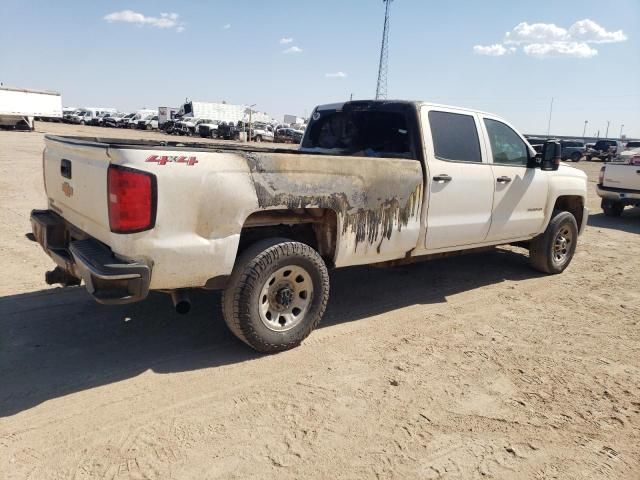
605	150
116	120
150	122
261	132
227	130
373	182
169	126
619	186
630	156
188	125
208	129
288	135
536	142
632	144
99	120
572	150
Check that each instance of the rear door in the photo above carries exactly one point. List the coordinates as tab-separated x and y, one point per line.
459	179
520	192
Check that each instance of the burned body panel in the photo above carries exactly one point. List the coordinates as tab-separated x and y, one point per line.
377	201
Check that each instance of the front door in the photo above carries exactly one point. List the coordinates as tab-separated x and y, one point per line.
520	192
459	183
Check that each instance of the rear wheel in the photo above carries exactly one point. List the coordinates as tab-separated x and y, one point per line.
575	157
552	251
276	295
612	208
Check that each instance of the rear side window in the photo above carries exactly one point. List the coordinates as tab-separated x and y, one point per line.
455	137
507	147
368	132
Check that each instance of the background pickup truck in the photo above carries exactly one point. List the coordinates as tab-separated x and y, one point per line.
619	186
373	182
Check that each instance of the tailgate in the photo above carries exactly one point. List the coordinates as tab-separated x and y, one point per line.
622	176
75	177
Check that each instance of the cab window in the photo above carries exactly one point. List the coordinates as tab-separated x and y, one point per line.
455	137
506	145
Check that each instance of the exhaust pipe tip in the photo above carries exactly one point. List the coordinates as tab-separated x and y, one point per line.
181	302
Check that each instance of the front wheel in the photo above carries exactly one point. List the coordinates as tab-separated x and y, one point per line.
276	295
552	251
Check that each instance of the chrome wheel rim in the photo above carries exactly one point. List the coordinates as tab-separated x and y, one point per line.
562	245
285	298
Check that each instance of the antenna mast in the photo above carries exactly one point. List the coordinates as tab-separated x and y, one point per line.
381	88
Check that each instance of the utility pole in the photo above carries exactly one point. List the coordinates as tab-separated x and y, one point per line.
584	130
250	124
383	66
606	135
550	113
621	127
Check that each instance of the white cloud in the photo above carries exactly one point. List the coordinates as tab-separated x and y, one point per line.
226	26
545	40
496	50
589	31
165	20
286	40
335	75
536	32
560	49
292	49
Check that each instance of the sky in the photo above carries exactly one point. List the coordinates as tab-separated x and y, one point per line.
506	57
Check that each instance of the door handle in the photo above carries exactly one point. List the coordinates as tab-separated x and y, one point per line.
503	179
442	178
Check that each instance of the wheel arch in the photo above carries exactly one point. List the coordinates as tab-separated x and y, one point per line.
316	227
574	204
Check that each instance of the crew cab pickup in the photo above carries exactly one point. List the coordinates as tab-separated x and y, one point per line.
373	182
619	186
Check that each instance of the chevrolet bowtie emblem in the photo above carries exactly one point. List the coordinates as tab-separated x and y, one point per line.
67	189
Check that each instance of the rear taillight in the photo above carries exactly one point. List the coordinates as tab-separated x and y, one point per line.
601	177
132	200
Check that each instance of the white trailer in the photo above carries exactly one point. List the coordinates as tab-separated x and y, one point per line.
166	113
293	119
19	106
222	112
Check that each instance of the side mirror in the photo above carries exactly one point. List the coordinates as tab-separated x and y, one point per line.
551	156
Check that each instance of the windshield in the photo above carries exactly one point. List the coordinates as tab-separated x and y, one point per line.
371	130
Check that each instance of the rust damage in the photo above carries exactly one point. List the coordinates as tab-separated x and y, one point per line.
370	210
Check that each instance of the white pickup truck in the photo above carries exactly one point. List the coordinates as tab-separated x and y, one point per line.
619	184
373	182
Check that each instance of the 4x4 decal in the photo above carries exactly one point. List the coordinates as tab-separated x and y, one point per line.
164	159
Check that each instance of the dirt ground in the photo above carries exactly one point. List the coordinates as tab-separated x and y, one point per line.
473	367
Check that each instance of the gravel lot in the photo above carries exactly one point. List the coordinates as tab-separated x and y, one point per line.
472	367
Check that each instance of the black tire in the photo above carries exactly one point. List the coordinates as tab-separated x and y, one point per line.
612	208
575	157
258	138
243	298
551	252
